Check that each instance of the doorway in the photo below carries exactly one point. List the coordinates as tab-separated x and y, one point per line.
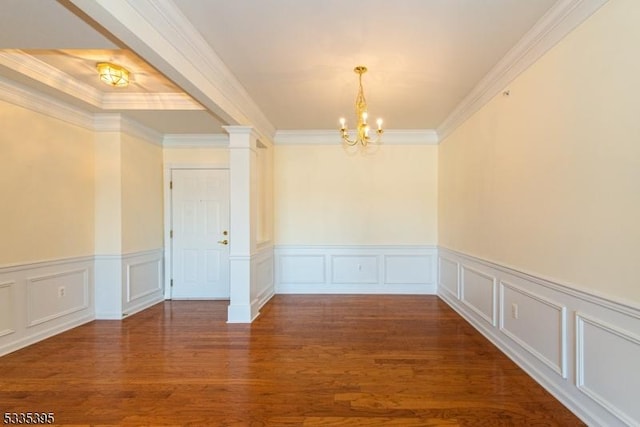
199	234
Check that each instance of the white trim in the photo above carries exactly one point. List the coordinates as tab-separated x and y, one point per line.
44	277
617	318
613	303
43	334
581	319
11	268
332	137
559	21
12	329
355	269
186	140
85	301
440	285
561	368
30	99
491	320
116	122
32	67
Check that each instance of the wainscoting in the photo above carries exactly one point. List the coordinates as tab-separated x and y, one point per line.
262	270
39	300
128	283
355	269
583	348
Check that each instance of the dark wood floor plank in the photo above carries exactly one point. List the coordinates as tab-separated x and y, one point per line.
307	360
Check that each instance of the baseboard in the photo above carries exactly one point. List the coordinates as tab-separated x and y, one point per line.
361	269
581	347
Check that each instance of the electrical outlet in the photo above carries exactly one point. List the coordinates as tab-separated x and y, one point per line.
61	292
514	310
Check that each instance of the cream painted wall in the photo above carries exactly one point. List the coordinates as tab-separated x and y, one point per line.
264	196
108	193
547	180
47	187
324	196
142	200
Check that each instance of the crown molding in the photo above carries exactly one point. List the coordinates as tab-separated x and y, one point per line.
165	38
332	137
114	122
213	140
35	101
559	21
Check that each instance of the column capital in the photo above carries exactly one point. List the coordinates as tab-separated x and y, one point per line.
242	136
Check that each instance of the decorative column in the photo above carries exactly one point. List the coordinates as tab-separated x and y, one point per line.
243	305
108	218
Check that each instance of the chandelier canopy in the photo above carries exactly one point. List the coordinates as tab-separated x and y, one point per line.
362	133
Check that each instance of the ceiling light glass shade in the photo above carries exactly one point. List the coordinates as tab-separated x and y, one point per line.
363	129
113	75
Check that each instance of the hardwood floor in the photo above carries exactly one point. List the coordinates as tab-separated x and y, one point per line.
307	360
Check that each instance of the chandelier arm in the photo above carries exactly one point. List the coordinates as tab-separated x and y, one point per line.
348	141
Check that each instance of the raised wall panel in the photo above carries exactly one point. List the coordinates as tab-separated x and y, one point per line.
354	269
479	293
408	269
448	276
607	366
265	283
143	278
536	323
7	319
56	295
309	269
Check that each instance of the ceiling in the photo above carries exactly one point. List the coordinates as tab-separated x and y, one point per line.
283	64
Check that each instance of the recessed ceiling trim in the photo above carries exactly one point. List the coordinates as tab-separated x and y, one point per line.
330	137
35	101
559	21
38	70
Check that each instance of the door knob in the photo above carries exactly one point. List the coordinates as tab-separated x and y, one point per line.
223	242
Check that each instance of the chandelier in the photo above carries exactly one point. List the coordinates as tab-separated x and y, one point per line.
363	129
112	74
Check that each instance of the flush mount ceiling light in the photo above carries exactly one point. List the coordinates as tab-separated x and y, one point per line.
113	75
362	128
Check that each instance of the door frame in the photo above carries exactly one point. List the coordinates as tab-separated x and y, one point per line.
168	244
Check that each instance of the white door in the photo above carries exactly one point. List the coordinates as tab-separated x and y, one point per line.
200	228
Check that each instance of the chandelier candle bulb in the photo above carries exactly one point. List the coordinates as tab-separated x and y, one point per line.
379	121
